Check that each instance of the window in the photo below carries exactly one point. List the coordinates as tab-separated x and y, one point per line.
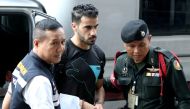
166	17
14	41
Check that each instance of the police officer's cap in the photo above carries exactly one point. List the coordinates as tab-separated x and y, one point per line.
134	30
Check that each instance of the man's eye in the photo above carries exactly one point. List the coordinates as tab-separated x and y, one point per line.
88	27
54	43
96	26
142	45
63	42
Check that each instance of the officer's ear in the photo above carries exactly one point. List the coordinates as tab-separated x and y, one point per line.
35	42
149	37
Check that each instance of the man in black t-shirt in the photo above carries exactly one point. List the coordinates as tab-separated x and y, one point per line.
81	69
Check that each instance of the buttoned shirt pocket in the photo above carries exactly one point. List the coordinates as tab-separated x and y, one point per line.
151	86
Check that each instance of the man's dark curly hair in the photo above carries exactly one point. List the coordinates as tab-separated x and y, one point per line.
87	10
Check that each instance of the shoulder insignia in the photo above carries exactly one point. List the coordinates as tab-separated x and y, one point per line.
166	53
177	66
124	70
22	68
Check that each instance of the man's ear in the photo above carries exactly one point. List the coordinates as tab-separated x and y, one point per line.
149	37
74	25
124	45
36	42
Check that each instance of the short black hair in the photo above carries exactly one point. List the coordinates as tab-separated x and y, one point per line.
44	25
87	10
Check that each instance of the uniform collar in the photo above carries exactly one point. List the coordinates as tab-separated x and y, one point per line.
150	58
47	65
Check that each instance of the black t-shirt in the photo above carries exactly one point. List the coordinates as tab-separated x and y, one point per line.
79	70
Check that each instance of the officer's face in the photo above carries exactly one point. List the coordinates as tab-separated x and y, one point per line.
86	30
138	50
51	47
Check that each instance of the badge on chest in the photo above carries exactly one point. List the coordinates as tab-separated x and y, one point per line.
152	72
132	100
132	97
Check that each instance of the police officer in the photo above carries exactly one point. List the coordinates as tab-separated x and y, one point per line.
33	85
147	79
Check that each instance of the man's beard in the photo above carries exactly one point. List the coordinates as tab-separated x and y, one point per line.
82	39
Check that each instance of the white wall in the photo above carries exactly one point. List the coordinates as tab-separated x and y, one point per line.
113	14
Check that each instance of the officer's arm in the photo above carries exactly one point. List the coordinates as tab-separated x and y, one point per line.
179	84
7	98
38	93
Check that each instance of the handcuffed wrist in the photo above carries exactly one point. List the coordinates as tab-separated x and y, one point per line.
100	102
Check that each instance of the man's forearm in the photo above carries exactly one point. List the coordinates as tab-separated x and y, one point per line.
100	93
85	105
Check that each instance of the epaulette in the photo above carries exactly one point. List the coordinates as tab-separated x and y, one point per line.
119	53
168	54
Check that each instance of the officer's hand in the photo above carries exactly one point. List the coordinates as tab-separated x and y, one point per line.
86	105
99	106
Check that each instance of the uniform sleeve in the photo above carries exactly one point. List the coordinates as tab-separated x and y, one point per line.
38	93
179	84
111	83
118	66
116	69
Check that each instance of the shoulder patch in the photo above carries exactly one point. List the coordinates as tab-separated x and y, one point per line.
177	66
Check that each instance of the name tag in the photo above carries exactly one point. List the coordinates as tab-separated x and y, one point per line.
132	100
152	74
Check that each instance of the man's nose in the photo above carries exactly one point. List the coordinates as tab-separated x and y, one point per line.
136	49
93	31
61	48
